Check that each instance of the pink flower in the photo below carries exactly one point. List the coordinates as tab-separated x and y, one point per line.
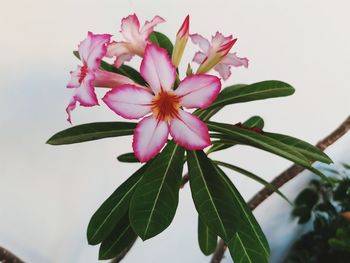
91	50
160	105
216	54
181	41
136	39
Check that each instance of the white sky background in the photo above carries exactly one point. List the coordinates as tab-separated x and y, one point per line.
48	194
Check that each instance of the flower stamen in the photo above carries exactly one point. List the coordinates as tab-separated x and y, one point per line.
165	105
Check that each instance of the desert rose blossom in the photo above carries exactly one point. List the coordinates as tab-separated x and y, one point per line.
181	41
83	80
161	107
216	54
136	39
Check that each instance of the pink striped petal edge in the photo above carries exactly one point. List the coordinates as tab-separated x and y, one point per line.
157	69
203	43
189	131
93	48
85	95
198	91
129	101
150	135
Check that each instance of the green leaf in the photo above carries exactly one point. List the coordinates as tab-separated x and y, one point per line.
155	200
211	198
303	212
92	131
308	150
308	197
206	114
254	177
128	158
123	70
260	141
113	209
249	244
207	239
244	93
120	239
252	122
163	41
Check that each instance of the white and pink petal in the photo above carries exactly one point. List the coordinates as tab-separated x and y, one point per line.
130	27
93	48
189	131
129	101
122	51
199	57
203	43
157	69
234	60
224	70
148	28
198	91
84	94
74	81
150	135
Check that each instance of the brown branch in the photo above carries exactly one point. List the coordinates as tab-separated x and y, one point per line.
7	257
283	178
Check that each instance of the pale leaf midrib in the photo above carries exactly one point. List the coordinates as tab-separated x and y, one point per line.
160	188
211	198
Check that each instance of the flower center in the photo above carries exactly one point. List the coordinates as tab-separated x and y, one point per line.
165	105
83	73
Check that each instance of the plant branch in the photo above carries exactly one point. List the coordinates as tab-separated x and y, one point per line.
7	257
281	179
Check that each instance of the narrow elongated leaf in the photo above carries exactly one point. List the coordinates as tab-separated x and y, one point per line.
119	240
249	244
244	136
155	200
308	150
113	209
206	114
258	140
92	131
162	40
254	177
212	200
244	93
257	91
252	122
128	158
123	70
207	239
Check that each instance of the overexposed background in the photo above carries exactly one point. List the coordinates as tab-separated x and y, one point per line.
48	194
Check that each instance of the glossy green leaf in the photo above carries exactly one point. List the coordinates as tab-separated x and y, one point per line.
308	150
212	199
207	239
155	200
163	41
119	240
206	114
92	131
113	209
244	93
252	122
249	244
308	197
123	70
258	140
128	158
254	177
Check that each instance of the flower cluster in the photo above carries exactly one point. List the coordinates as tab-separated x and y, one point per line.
162	102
